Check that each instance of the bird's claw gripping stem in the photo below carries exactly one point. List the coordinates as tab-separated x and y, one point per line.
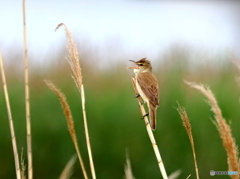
145	115
137	95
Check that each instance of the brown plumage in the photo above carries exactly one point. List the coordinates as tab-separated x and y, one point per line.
147	86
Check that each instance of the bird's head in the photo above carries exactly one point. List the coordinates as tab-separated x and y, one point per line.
142	65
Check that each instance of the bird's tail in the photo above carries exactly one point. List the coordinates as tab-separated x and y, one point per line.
153	116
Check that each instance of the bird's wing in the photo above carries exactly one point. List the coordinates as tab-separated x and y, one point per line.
149	85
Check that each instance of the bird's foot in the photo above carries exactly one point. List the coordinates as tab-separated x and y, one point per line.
137	95
145	115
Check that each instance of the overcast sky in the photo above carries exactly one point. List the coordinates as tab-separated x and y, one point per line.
147	27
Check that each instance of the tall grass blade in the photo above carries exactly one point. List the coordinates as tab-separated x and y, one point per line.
222	127
70	122
10	119
186	123
77	77
27	96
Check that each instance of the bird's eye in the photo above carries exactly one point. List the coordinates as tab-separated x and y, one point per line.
140	64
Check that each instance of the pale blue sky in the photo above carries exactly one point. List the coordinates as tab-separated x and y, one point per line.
138	28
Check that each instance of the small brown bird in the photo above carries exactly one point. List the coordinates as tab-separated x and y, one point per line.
147	86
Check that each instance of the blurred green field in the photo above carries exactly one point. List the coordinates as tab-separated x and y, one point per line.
114	118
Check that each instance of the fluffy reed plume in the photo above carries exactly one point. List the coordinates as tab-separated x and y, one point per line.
27	102
68	169
222	127
150	133
128	169
73	58
186	123
77	77
14	143
70	122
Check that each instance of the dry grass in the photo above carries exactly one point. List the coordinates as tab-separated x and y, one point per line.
150	133
175	174
77	77
23	167
186	123
73	58
222	127
70	122
128	169
68	169
14	143
27	96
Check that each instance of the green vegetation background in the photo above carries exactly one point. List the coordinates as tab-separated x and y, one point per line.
114	118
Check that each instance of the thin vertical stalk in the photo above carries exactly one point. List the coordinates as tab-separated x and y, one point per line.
70	122
87	133
27	102
150	134
222	127
186	123
14	143
73	61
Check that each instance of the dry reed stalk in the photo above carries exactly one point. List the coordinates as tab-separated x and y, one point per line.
222	127
68	169
150	133
73	60
186	123
14	143
27	102
70	122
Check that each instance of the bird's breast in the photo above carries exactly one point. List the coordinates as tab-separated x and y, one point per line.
141	93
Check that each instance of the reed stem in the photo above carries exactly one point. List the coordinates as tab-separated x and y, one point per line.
150	133
10	119
27	102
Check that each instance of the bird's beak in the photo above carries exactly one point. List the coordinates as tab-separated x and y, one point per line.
133	67
132	61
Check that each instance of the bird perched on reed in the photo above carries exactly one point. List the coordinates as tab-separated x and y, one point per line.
147	86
